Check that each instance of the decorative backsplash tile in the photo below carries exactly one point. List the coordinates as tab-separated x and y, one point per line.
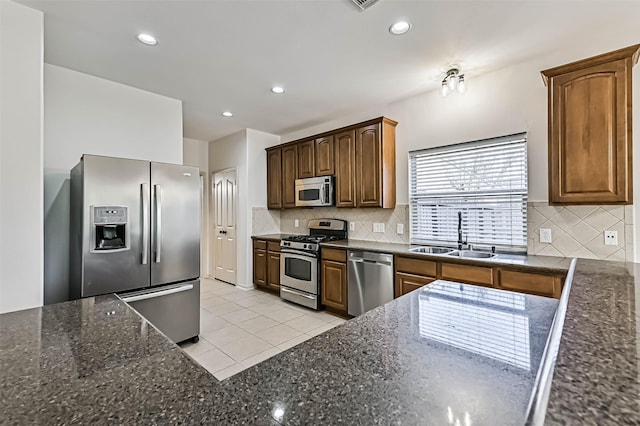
363	219
265	221
578	231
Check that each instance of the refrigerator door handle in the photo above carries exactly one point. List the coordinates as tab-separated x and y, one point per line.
154	294
158	194
144	189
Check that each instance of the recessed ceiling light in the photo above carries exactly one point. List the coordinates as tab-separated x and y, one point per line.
400	27
227	114
147	39
277	90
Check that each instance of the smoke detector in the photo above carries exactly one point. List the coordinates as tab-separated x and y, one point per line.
364	4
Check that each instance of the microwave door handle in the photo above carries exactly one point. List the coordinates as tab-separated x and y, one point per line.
326	194
322	194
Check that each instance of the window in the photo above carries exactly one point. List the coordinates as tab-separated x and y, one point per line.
485	181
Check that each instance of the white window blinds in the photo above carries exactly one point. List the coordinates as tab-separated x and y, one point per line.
485	180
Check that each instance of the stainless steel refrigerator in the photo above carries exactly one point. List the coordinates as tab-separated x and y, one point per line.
135	231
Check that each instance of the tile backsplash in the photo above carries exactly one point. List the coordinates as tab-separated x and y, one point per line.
578	231
363	219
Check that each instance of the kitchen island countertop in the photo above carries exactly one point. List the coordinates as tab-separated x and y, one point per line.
420	359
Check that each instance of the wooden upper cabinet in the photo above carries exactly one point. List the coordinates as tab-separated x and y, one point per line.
590	129
306	159
345	161
274	178
376	165
325	165
289	175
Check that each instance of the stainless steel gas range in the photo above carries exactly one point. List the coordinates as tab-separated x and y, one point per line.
300	261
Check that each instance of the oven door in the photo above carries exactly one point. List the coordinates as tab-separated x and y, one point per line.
299	270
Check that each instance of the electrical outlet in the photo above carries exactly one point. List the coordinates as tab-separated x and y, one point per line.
400	228
352	226
610	238
378	227
545	235
296	223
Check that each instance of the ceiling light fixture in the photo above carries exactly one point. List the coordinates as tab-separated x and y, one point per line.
453	81
400	27
227	114
277	90
147	39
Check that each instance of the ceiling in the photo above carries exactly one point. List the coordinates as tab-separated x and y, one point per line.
331	58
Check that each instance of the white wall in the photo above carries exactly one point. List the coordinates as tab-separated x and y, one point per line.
506	101
245	152
84	114
196	153
21	218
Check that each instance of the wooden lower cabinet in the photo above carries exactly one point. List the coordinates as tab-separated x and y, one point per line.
527	282
266	265
412	273
406	283
467	273
334	285
273	270
259	266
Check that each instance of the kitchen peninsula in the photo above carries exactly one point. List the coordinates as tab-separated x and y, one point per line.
415	360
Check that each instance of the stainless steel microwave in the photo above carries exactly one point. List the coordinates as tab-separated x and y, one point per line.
312	192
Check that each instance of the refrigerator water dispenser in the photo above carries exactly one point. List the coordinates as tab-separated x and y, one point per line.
110	230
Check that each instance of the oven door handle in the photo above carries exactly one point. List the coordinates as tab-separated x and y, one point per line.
298	253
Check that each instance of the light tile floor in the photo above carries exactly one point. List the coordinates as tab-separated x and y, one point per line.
239	328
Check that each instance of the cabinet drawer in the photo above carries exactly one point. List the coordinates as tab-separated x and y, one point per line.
415	266
273	246
406	283
467	273
260	244
547	285
334	254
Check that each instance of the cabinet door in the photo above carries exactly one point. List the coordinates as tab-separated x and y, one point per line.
274	178
273	270
590	134
406	283
467	273
306	159
260	267
324	156
368	167
345	155
525	282
289	175
334	285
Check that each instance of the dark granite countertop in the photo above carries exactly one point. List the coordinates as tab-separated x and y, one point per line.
535	263
434	355
270	237
596	379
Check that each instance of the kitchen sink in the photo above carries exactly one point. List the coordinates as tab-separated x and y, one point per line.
471	254
431	250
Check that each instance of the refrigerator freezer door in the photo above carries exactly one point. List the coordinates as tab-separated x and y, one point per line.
114	182
175	223
173	309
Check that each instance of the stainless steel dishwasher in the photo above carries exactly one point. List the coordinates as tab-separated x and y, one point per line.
370	281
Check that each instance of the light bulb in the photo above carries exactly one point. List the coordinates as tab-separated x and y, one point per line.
452	82
444	89
462	85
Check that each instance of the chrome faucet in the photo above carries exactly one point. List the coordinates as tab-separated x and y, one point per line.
461	242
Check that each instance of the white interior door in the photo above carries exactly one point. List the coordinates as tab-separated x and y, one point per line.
224	193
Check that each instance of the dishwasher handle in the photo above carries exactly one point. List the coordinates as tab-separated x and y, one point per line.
371	257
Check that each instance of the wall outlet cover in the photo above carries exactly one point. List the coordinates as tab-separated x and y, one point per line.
352	226
610	238
545	235
378	227
296	223
400	228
